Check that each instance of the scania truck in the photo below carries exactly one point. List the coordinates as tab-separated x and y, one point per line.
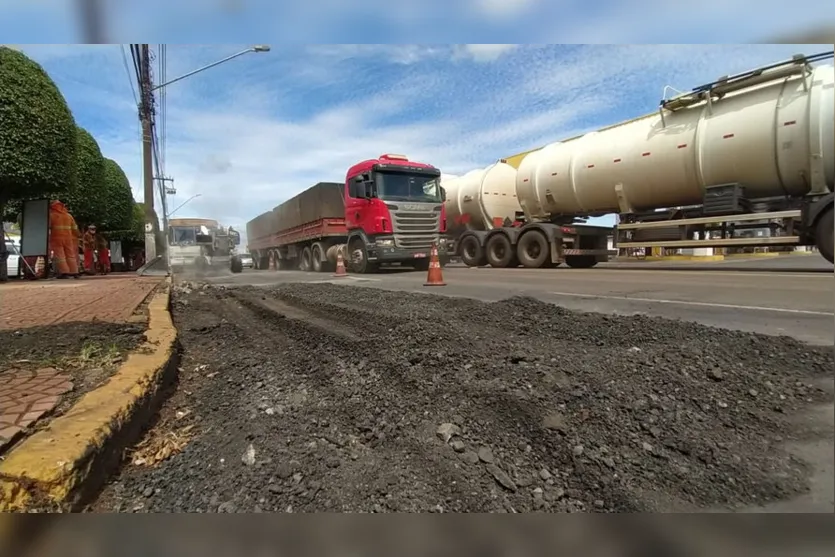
389	210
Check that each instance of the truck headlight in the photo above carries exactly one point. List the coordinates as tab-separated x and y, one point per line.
386	243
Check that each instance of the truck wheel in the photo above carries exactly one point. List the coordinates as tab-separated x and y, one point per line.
307	257
358	258
237	265
500	252
825	235
581	261
533	250
472	254
316	258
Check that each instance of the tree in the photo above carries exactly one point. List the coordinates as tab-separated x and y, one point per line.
118	199
37	134
87	198
134	233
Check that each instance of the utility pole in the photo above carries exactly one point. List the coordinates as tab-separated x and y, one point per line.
146	114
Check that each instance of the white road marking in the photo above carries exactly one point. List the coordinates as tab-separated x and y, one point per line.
687	303
336	280
612	271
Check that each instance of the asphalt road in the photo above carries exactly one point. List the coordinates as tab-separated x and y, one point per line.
791	295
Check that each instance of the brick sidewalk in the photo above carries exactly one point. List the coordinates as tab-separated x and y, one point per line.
27	395
36	303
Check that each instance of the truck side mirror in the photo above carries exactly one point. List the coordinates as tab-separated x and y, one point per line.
370	189
443	194
359	191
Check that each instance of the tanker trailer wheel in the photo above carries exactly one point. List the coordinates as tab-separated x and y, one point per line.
533	250
306	261
825	235
472	254
500	252
581	261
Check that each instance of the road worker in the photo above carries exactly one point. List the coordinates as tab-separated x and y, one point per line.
103	249
62	240
89	241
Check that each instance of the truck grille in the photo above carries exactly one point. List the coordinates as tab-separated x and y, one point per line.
414	230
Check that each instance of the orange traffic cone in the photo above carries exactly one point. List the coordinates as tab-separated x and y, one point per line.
340	265
434	277
272	261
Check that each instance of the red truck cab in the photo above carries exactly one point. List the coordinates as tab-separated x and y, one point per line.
394	212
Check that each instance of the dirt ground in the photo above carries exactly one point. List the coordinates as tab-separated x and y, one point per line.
316	397
88	352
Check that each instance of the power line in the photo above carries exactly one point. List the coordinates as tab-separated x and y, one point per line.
127	72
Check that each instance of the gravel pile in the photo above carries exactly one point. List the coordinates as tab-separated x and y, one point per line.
318	397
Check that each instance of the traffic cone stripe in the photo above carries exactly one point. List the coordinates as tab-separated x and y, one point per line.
340	265
434	277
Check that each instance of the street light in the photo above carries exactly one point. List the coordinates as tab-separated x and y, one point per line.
256	48
146	116
180	206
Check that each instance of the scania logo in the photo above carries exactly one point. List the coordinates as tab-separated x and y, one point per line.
411	207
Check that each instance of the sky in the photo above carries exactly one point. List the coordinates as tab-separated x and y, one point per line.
253	132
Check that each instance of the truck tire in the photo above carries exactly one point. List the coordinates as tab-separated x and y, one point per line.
472	253
236	265
305	264
581	261
358	258
825	235
533	249
316	258
500	252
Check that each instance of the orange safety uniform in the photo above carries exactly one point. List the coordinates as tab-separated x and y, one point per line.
63	234
103	248
89	241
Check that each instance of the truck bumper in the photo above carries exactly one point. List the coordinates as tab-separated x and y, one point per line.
385	252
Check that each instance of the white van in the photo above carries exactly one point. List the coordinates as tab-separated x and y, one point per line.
14	263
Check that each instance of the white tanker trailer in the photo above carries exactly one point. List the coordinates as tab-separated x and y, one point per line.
750	151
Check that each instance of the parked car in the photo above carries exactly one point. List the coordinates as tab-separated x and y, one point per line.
13	264
246	261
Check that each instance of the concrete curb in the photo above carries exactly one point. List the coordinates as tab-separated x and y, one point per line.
63	466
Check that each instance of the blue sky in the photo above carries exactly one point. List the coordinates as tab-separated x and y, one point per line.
248	134
422	21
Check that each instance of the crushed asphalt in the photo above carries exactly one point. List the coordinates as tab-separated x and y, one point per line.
322	397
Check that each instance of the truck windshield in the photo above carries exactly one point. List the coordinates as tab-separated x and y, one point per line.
182	235
398	186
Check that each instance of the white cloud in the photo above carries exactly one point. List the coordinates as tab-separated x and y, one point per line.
251	134
503	8
484	52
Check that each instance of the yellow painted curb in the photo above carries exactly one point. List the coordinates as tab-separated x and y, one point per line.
66	463
671	258
747	255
